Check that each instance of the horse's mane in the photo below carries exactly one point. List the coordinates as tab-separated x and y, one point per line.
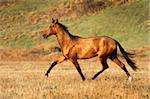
64	27
67	31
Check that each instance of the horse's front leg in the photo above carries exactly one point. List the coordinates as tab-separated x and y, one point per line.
60	59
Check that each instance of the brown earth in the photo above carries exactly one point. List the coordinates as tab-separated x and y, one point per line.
45	52
74	9
26	80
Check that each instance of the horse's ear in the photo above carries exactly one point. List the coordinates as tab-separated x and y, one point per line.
56	21
53	21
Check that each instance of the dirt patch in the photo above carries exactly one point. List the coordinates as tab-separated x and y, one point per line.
143	53
71	8
6	3
33	54
74	9
45	52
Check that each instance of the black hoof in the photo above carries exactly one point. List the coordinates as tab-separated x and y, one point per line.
46	75
93	78
83	79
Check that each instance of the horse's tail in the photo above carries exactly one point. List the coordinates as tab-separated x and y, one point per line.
126	55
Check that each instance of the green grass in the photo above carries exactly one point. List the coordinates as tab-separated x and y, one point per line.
18	21
125	23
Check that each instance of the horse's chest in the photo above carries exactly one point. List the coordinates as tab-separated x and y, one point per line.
66	51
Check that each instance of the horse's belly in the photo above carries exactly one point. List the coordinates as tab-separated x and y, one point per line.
87	57
87	54
87	48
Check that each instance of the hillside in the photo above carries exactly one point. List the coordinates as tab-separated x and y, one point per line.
127	23
21	22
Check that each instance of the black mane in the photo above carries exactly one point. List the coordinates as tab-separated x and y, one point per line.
66	29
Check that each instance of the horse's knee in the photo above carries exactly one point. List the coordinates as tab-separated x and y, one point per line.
61	59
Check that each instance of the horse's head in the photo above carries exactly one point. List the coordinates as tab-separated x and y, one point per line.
52	29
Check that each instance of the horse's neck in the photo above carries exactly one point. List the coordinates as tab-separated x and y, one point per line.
63	38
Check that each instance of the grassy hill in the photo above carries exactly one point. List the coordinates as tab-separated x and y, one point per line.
21	21
126	23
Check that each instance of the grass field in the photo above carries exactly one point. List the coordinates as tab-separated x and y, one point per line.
24	54
26	80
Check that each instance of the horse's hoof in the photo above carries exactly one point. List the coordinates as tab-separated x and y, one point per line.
83	79
46	75
130	79
93	78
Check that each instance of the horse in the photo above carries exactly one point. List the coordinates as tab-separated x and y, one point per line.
75	47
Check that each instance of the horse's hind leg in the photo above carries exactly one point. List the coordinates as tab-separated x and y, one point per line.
119	63
76	64
104	67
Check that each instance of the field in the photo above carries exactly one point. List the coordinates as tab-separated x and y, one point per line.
25	55
26	80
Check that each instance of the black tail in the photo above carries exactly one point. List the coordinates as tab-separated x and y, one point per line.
126	56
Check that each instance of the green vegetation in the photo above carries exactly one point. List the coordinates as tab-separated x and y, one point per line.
125	23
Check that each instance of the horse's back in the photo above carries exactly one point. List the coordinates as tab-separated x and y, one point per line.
90	47
97	40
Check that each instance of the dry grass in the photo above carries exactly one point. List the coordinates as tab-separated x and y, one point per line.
25	80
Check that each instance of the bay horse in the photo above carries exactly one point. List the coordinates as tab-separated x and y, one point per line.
75	47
